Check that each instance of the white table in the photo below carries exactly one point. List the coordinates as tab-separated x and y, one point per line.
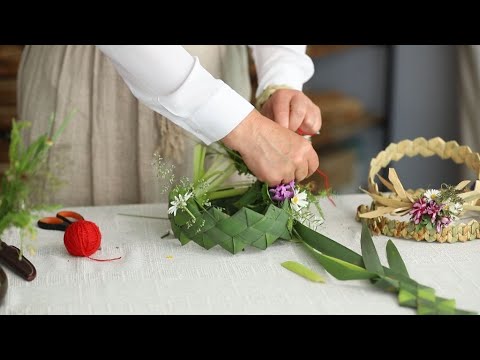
159	276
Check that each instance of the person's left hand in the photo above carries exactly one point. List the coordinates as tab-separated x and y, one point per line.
293	110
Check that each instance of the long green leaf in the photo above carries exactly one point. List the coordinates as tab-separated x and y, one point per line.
250	196
340	269
335	263
395	261
388	284
330	247
199	152
51	121
303	271
63	125
326	245
370	255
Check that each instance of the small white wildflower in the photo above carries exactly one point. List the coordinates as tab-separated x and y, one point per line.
299	200
173	209
179	202
431	194
456	209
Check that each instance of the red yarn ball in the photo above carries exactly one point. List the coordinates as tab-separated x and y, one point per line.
82	238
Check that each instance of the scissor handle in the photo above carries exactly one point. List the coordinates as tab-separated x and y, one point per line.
10	256
60	222
68	215
52	223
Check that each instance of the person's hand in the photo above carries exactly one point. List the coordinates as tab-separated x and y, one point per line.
293	110
273	153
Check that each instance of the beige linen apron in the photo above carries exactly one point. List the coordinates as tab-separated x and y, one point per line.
105	155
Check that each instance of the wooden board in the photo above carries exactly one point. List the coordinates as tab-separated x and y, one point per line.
8	91
9	60
316	51
333	133
336	106
4	144
7	113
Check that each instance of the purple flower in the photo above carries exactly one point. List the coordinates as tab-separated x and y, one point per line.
433	209
283	191
442	222
419	209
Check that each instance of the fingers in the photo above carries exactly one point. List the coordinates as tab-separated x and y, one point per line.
267	110
298	166
274	154
293	110
298	112
313	163
276	176
281	109
312	122
301	172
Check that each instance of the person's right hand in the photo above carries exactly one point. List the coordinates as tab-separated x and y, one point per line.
273	153
293	110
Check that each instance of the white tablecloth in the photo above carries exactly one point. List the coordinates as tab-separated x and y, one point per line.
159	276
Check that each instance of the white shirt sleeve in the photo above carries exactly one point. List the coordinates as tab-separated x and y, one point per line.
170	81
281	65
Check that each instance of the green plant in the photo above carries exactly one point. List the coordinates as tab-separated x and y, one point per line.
25	162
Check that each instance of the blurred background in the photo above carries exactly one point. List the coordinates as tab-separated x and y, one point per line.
370	95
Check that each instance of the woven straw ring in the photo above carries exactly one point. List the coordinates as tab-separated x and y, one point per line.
381	225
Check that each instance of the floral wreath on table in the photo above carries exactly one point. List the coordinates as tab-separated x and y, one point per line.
211	211
434	214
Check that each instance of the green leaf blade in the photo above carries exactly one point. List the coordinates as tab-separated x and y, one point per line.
326	245
63	125
370	255
340	269
199	152
395	261
303	271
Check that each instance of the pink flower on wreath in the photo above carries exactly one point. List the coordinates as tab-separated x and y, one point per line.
283	191
442	222
433	209
419	209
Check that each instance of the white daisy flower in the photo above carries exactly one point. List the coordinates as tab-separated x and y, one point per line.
179	202
187	196
299	200
175	206
456	209
431	194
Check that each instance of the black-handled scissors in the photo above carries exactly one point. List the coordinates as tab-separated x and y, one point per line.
60	222
10	257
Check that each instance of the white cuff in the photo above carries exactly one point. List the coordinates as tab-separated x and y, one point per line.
224	111
213	108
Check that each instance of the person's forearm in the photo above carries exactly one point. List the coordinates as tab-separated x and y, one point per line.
281	65
171	82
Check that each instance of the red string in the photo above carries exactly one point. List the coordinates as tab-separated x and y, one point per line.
326	184
319	172
301	133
